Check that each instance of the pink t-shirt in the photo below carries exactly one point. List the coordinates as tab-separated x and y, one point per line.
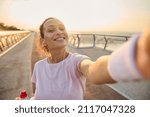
60	81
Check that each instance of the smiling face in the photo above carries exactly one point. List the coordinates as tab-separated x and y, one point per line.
55	35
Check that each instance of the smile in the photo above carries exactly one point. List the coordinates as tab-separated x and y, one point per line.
59	39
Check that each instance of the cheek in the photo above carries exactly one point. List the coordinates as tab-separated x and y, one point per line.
47	36
50	45
49	42
66	34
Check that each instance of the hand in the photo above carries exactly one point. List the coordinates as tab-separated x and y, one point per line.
143	53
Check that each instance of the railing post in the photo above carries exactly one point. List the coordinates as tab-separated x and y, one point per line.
126	38
105	42
78	41
6	40
13	39
1	48
94	39
1	44
74	41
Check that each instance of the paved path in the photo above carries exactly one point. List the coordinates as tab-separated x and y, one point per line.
15	69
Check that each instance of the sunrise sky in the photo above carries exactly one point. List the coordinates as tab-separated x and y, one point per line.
86	15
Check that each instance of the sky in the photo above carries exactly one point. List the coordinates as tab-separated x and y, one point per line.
78	15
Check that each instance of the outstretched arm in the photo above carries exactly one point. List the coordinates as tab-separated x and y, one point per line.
98	72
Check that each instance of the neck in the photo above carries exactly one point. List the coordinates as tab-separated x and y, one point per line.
57	55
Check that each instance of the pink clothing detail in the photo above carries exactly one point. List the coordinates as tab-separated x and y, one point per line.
60	81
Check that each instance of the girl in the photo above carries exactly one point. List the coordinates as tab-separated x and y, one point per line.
62	75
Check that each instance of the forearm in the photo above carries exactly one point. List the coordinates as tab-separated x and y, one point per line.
98	71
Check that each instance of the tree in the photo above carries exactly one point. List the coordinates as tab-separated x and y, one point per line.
5	27
2	26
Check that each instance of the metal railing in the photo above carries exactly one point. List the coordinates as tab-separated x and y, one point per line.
8	39
92	40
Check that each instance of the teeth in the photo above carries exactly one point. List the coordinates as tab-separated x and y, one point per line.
59	39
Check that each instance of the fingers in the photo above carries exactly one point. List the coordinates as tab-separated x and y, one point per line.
145	38
143	53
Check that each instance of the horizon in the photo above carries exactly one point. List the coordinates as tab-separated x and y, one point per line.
77	15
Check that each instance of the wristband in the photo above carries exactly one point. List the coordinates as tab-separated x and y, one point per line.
122	64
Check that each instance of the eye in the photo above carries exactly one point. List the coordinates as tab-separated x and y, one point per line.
50	30
62	28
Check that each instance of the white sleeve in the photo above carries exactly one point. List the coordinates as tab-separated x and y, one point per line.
78	58
122	65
